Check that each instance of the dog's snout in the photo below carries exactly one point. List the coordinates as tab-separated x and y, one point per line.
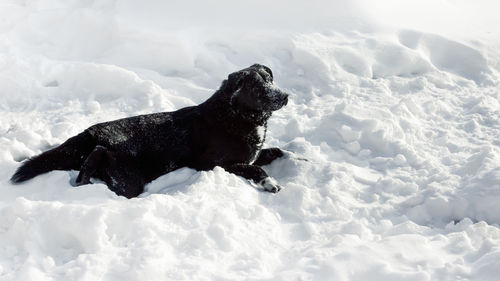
278	98
281	94
285	99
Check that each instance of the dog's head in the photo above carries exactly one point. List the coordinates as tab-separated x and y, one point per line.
253	89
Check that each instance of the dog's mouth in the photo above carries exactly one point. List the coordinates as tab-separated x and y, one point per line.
277	97
265	99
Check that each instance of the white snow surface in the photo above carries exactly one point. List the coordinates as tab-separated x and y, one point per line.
392	131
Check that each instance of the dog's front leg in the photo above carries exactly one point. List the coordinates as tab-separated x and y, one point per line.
268	155
255	174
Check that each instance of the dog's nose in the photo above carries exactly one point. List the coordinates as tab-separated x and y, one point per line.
281	98
285	99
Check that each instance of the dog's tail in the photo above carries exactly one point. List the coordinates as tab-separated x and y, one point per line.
67	156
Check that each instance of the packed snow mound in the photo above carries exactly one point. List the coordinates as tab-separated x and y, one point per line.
392	170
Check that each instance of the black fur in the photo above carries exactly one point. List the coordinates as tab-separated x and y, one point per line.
227	130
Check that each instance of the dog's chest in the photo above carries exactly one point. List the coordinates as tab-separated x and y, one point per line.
255	141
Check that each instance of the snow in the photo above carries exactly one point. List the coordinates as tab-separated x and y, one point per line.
392	130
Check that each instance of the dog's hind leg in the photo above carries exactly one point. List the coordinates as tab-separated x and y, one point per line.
91	165
255	174
116	170
268	155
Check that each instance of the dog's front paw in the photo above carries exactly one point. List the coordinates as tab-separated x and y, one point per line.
269	184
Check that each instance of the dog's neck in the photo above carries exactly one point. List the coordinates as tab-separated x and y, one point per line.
217	111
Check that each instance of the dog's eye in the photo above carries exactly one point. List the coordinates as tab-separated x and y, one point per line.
268	71
267	77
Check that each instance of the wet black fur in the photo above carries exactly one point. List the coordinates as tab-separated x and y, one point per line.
225	130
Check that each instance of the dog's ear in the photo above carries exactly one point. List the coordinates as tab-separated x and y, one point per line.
234	79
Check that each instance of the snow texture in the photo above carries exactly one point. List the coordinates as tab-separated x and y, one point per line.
392	131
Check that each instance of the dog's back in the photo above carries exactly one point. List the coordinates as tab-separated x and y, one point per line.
154	141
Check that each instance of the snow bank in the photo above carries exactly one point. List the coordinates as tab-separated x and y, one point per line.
392	170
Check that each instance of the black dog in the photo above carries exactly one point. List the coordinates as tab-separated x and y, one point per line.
227	130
